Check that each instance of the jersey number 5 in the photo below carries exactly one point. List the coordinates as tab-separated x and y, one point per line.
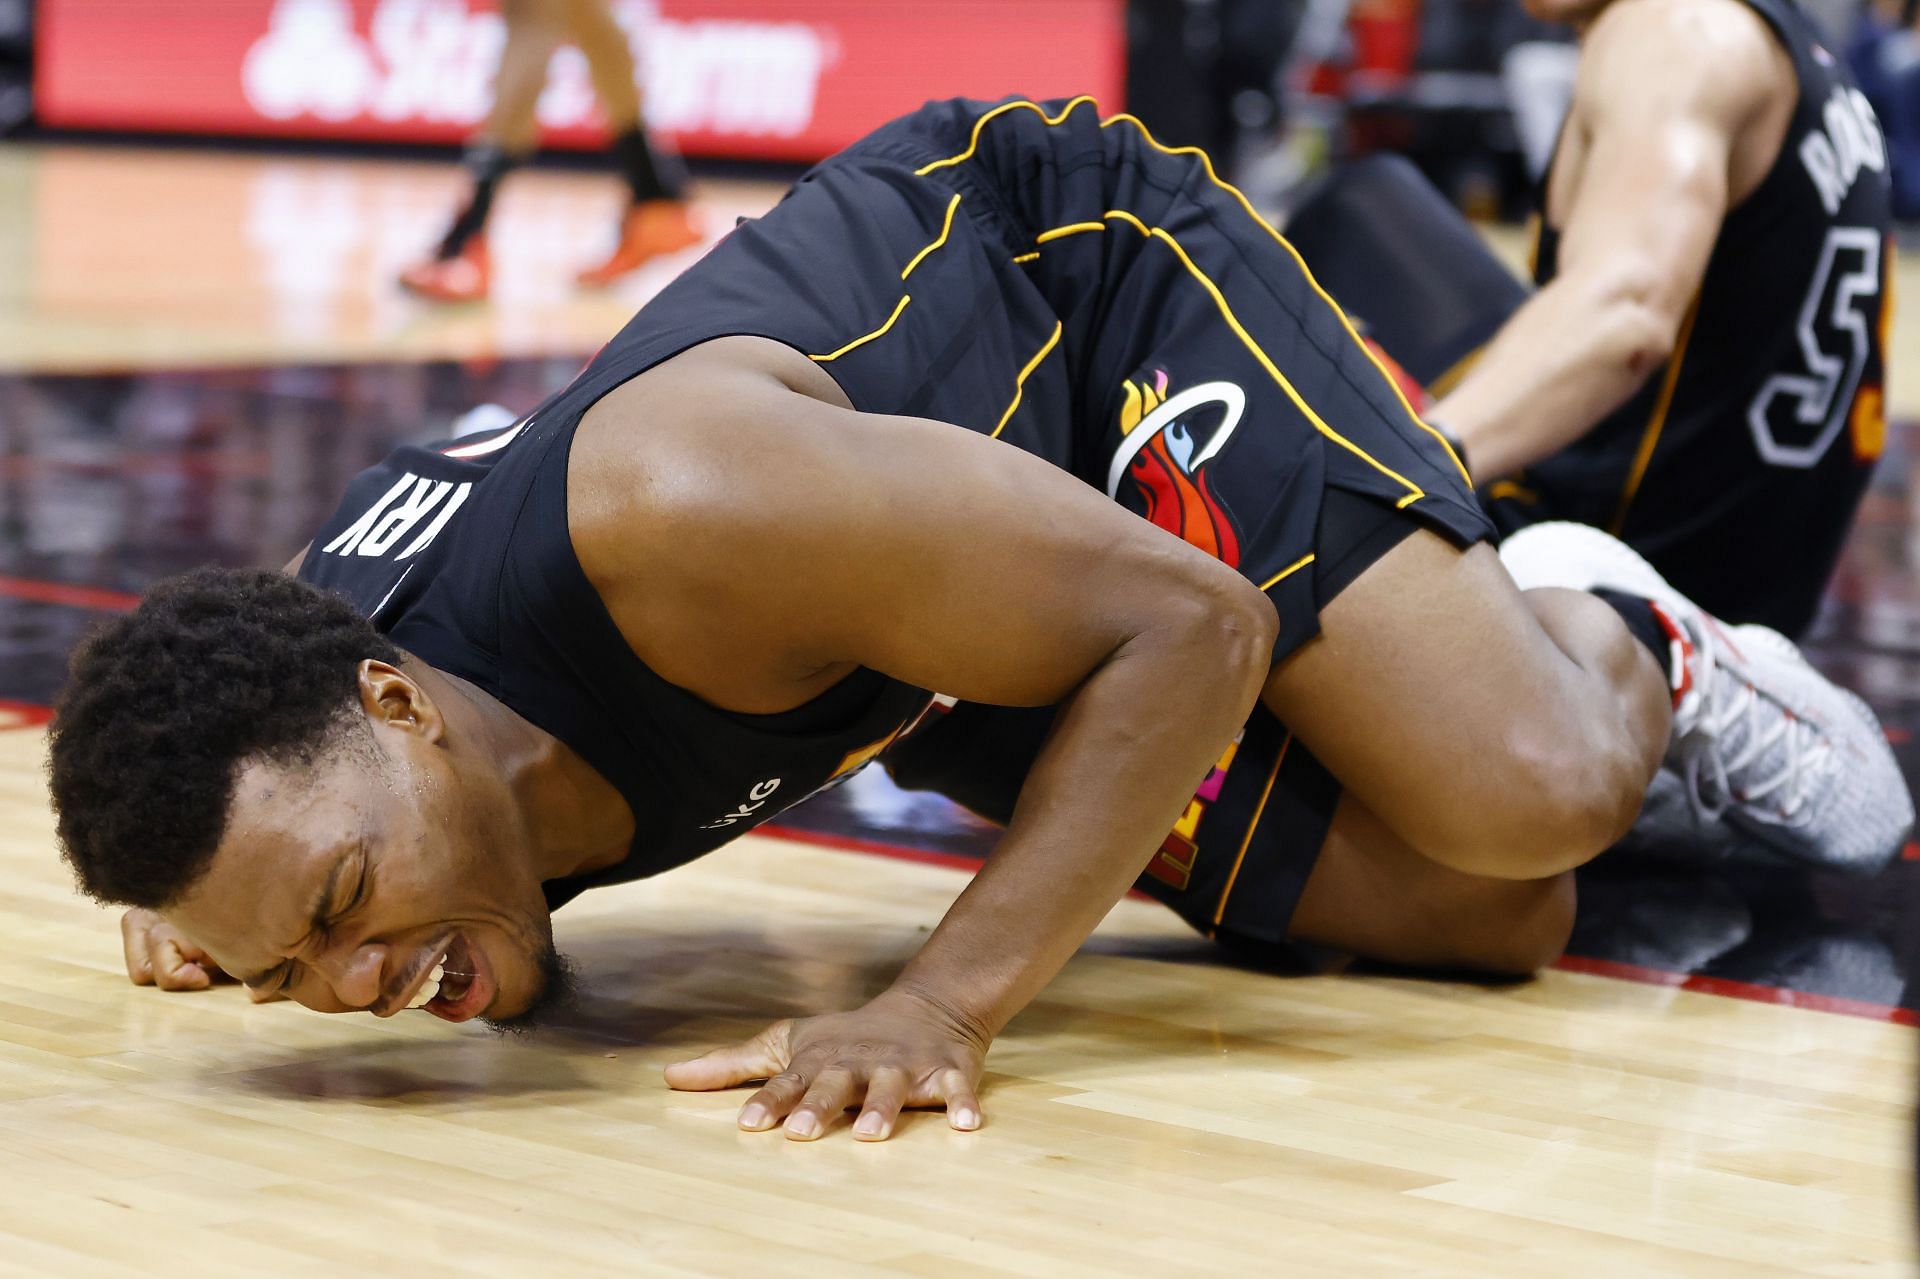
1797	415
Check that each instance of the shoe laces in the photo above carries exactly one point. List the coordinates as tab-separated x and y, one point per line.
1732	709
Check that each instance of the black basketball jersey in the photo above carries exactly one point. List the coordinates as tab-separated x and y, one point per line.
957	264
460	553
1737	468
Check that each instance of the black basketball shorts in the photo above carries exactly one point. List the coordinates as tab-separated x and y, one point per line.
1165	345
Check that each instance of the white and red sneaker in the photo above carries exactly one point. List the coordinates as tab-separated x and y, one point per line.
1759	737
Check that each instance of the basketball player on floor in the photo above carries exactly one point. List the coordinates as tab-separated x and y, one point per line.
657	220
1007	404
1700	370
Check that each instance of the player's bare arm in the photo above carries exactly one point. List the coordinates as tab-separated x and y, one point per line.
1678	113
764	544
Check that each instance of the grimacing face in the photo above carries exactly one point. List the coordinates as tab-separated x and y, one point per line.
343	883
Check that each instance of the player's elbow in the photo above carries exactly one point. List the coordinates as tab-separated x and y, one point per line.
1641	338
1637	322
1248	627
1229	624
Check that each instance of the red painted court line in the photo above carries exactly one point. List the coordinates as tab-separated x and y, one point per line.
1740	990
874	847
879	848
1568	963
38	592
22	714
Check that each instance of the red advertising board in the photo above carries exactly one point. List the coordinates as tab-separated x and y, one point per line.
777	79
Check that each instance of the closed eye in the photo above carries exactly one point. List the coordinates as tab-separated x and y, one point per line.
279	979
275	982
354	902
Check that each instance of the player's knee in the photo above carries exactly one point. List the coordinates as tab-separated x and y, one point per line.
1544	805
1503	929
1587	800
1533	938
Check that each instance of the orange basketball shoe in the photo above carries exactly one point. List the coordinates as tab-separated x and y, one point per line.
464	277
651	229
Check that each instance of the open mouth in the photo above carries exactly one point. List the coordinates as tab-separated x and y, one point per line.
458	987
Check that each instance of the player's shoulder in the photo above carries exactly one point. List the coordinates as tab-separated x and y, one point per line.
695	452
1720	53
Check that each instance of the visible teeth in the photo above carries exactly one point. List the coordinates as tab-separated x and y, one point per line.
430	987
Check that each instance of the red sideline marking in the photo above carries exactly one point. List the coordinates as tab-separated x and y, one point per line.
22	715
1740	990
26	588
876	848
1899	736
1568	963
854	844
1910	851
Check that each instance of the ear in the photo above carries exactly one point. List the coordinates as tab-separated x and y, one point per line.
392	699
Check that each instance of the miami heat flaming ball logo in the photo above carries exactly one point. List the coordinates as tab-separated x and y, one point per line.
1165	445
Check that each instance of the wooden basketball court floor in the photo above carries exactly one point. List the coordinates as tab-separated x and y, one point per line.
197	349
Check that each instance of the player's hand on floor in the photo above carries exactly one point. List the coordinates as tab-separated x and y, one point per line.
898	1051
158	954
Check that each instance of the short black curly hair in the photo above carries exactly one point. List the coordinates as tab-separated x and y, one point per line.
161	707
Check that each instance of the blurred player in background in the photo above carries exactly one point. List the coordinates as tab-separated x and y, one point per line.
657	220
1700	368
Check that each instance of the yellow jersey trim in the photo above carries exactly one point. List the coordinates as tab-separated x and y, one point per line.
1287	572
1062	232
946	230
1414	491
1307	274
1656	422
1020	383
859	342
1220	911
980	125
1511	490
